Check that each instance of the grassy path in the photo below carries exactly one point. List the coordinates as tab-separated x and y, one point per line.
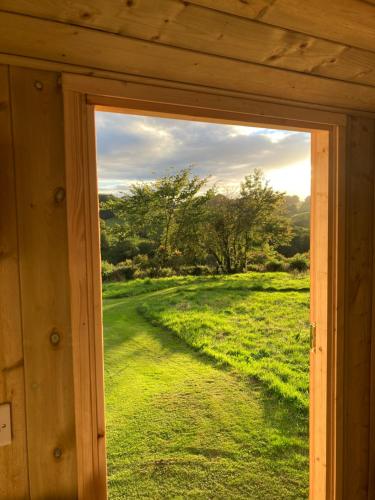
180	427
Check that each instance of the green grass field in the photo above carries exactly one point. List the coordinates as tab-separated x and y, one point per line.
207	387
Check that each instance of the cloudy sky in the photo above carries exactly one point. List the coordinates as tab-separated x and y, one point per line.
138	148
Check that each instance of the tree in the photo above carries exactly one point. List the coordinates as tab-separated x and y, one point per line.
166	211
299	212
237	225
176	220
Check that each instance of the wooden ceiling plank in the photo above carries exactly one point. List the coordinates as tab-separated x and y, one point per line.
26	36
192	27
350	22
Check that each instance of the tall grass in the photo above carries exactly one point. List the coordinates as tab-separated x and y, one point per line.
256	323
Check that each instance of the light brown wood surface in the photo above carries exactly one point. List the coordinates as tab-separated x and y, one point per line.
206	30
85	286
359	297
282	61
320	269
37	116
14	481
96	49
350	22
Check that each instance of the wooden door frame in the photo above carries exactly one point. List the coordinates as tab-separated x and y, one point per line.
82	95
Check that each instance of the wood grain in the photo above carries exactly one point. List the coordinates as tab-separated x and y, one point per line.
204	30
320	270
359	291
350	22
294	107
14	481
336	308
39	159
85	284
27	36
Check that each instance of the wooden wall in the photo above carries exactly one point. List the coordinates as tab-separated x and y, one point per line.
35	339
36	374
359	297
320	53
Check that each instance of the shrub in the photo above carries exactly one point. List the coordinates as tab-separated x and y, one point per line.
146	247
258	268
265	259
123	271
274	265
120	250
197	270
107	270
141	261
166	272
140	274
299	262
258	257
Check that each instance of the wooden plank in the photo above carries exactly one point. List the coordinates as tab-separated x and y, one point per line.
372	388
320	269
22	35
194	103
85	282
13	459
295	107
138	107
40	180
359	286
185	25
336	308
350	22
327	312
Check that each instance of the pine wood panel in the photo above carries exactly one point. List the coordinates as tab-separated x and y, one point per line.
39	159
350	22
372	388
336	305
13	458
320	269
82	46
86	300
295	107
359	291
195	104
189	26
193	27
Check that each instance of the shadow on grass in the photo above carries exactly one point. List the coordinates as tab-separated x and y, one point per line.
278	414
253	281
134	324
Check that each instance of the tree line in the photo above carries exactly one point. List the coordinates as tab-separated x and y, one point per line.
178	224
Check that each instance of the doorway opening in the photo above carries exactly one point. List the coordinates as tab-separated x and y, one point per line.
205	241
83	96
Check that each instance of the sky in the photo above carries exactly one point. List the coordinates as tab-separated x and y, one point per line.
134	148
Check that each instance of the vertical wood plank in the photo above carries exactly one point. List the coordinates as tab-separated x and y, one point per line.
13	458
40	178
336	312
85	280
359	291
319	313
96	344
371	469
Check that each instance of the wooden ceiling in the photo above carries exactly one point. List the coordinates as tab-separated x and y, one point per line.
313	51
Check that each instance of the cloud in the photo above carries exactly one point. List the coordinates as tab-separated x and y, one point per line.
134	148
